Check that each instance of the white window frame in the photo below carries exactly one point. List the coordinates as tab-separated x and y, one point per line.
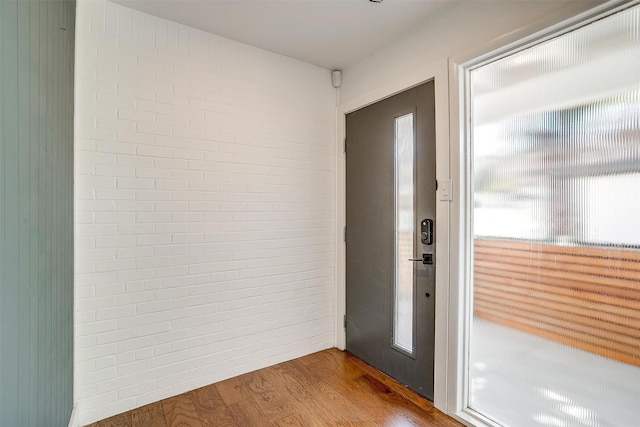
460	308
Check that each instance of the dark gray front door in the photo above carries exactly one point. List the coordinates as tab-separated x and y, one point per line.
391	186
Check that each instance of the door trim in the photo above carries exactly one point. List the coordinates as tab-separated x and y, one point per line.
438	72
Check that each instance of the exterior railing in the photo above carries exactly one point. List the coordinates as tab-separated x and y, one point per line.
582	296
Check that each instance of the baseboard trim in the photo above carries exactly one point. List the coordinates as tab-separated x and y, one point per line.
74	421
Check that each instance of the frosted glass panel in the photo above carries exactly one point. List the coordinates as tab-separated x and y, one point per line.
555	137
405	220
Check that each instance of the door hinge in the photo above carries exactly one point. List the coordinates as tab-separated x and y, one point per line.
345	145
344	237
344	321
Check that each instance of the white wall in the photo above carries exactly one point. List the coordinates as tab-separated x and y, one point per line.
453	30
460	28
205	189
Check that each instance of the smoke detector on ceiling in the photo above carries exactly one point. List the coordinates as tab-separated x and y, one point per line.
375	1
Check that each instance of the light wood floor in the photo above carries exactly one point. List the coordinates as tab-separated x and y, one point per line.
328	388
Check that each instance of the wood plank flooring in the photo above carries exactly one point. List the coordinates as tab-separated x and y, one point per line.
328	388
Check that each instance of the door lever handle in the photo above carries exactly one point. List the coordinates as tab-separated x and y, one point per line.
426	259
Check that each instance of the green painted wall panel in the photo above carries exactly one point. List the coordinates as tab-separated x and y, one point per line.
36	212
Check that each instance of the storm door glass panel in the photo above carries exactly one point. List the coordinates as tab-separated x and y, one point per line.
555	147
404	227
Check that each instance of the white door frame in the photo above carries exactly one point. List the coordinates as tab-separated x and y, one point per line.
439	73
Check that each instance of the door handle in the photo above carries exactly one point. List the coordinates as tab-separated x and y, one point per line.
426	259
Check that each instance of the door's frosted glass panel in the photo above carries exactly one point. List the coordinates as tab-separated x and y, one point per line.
404	227
555	137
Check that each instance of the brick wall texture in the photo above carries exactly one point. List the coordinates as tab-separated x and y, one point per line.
204	209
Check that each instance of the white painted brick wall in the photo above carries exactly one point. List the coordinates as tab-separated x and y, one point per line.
204	209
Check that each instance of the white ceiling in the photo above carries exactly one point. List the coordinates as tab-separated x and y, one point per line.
330	33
